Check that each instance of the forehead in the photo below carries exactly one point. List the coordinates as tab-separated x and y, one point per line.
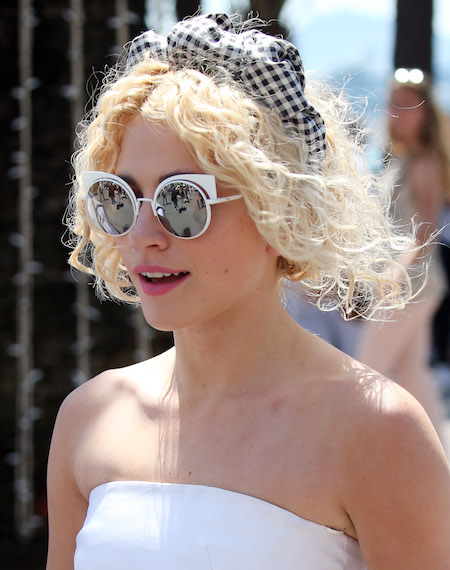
151	150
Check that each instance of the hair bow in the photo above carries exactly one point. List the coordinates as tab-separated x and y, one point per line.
268	67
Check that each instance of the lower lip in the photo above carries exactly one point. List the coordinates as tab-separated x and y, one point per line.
150	288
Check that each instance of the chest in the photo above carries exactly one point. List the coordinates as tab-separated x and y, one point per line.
278	450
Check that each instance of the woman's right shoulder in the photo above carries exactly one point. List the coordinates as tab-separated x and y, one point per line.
109	388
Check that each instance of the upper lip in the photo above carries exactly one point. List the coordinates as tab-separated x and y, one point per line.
157	269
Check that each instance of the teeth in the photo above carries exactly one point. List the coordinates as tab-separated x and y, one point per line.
157	275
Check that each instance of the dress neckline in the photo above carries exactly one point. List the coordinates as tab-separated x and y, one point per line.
220	490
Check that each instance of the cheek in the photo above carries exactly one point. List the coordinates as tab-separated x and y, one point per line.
421	117
248	252
237	251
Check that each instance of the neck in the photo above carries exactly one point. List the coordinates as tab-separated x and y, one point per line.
410	147
235	351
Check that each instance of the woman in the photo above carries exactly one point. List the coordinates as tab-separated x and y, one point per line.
251	444
419	175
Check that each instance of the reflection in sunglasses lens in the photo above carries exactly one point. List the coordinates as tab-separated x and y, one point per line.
110	207
181	209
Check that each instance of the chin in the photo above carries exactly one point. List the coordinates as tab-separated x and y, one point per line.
162	325
163	322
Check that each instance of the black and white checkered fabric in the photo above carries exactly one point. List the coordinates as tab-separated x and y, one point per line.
267	67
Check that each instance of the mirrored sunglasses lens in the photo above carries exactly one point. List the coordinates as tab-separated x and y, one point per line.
110	207
181	209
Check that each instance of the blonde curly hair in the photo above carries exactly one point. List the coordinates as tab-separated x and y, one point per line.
328	221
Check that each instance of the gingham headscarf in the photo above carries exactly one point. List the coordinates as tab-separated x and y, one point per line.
267	67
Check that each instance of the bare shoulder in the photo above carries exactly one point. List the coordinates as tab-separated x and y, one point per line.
395	476
87	409
110	387
382	415
87	424
379	418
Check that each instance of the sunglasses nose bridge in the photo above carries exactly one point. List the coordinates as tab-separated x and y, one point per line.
140	202
146	229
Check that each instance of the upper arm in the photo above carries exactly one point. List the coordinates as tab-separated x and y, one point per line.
398	491
66	506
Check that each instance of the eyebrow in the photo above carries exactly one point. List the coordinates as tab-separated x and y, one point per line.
135	186
131	182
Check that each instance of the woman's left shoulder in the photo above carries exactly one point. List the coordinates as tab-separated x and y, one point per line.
395	475
384	433
378	409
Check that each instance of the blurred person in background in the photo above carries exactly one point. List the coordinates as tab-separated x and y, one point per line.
418	173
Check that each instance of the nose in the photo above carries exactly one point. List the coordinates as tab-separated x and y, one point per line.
147	231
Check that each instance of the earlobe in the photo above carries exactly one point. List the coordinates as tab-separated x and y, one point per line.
272	251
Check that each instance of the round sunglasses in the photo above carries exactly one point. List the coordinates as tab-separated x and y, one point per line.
181	203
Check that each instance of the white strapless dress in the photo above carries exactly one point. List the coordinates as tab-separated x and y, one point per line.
138	525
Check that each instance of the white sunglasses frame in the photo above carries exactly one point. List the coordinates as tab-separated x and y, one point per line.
204	183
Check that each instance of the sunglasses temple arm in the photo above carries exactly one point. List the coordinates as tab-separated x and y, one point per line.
224	199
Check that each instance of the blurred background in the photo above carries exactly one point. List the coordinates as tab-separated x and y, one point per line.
54	333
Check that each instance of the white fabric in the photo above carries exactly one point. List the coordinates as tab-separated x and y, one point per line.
132	525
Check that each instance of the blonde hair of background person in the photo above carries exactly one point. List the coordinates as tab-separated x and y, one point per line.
247	401
419	173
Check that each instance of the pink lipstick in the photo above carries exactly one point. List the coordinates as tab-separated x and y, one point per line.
157	280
